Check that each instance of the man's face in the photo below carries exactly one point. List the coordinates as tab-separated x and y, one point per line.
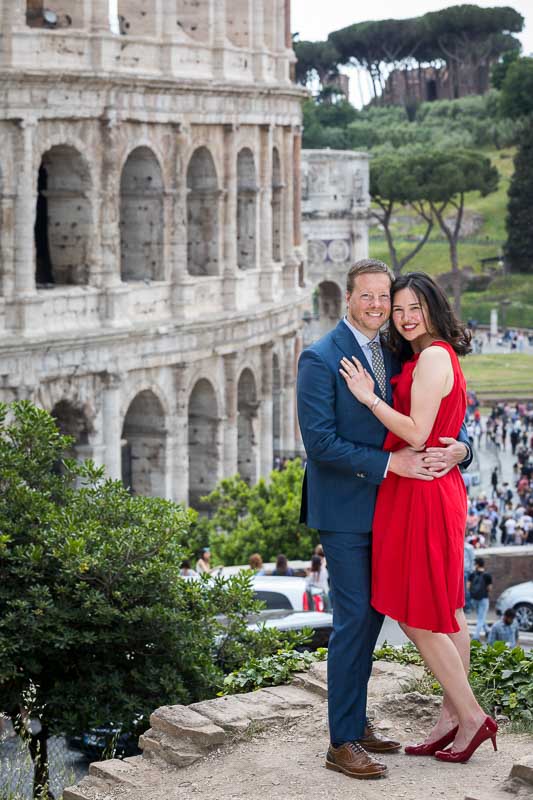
368	305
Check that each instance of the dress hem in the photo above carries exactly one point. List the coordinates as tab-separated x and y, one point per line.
406	622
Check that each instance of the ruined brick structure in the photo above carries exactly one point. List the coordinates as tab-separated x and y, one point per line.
151	273
335	210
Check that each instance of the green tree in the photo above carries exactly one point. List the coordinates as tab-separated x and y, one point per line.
517	89
95	623
499	70
519	221
263	518
445	177
320	58
393	184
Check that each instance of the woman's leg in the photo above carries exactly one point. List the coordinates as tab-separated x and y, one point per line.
443	658
448	716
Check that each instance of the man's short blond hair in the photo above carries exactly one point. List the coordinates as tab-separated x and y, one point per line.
365	266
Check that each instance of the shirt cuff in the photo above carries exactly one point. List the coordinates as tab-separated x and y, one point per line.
388	464
469	454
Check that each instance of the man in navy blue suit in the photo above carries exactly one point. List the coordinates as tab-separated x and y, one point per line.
345	465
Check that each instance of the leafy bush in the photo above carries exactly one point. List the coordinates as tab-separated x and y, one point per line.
93	613
500	677
270	671
263	518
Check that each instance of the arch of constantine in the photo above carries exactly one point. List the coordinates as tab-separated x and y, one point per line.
151	276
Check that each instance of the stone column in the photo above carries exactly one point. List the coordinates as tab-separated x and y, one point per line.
230	419
12	15
179	441
99	27
25	205
265	200
266	445
258	38
289	396
112	424
290	269
217	14
297	187
298	443
230	218
116	294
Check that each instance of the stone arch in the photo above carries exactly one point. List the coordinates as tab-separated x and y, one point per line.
329	303
202	214
276	407
247	420
246	210
204	448
238	23
137	18
63	219
72	421
277	199
192	17
144	445
141	217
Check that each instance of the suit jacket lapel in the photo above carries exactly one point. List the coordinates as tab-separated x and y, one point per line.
349	345
387	357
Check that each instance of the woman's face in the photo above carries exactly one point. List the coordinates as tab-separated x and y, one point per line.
409	315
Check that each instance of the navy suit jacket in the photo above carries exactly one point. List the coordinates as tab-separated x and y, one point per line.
342	437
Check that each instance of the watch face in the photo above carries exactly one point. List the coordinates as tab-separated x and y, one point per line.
50	16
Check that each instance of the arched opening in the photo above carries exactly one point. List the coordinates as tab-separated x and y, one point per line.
202	214
277	196
63	218
246	210
203	441
276	408
144	446
54	16
141	218
238	22
247	437
71	421
431	90
192	17
329	302
137	18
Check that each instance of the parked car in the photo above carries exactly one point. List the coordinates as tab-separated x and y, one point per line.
291	593
519	597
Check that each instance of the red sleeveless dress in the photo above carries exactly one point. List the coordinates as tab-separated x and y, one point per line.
419	526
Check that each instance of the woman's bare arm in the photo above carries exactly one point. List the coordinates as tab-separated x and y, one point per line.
432	380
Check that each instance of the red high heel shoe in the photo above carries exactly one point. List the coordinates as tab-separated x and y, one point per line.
488	730
431	748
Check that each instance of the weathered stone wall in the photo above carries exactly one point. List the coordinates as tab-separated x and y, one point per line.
335	209
150	278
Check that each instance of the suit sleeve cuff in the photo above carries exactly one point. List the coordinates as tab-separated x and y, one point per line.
468	457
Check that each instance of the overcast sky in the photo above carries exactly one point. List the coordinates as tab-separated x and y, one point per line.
314	19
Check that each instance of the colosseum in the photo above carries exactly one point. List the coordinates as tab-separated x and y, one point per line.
151	279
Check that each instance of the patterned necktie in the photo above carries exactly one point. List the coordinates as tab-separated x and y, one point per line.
378	367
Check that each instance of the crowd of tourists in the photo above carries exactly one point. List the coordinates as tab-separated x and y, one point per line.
504	514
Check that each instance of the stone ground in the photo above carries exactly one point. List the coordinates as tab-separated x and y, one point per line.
287	762
284	759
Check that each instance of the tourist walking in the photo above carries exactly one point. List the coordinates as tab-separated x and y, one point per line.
479	587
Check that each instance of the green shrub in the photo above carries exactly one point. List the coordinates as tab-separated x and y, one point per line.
263	518
270	671
501	677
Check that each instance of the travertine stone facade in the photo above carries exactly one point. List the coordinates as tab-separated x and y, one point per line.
335	210
151	288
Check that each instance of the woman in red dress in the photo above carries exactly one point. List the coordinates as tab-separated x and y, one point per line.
419	526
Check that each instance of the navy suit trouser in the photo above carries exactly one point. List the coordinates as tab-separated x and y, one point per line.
356	626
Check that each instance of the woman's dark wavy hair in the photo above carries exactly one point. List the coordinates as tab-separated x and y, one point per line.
442	322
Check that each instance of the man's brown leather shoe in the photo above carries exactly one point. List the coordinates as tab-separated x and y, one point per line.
374	742
354	761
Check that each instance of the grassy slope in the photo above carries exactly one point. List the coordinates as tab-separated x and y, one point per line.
500	375
485	243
